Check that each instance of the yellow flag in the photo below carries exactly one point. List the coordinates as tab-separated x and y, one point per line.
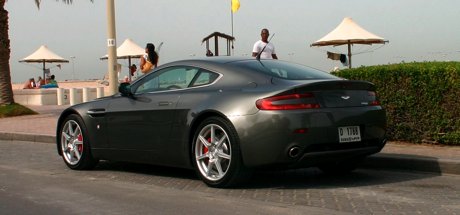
235	5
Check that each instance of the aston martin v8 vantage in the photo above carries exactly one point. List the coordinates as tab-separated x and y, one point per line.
224	117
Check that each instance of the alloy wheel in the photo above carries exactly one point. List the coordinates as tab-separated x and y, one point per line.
213	152
72	142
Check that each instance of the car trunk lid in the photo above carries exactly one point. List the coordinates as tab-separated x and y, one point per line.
339	93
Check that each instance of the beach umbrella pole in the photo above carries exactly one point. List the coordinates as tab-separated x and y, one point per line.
129	68
349	55
44	70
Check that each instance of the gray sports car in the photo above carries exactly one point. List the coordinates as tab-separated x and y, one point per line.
226	116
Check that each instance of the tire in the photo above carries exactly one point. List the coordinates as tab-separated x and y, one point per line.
74	144
216	154
341	167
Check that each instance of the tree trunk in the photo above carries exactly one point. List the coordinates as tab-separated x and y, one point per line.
6	89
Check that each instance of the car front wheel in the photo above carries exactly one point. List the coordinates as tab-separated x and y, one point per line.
74	144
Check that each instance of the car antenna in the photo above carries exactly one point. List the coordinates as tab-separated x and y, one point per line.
258	55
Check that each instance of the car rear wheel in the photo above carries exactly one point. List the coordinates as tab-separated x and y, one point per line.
74	144
216	153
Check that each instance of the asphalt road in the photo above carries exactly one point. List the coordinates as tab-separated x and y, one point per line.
35	180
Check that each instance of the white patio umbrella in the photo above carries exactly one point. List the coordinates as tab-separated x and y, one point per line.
44	55
128	50
348	33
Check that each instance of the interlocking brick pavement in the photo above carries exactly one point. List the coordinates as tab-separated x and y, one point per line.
406	156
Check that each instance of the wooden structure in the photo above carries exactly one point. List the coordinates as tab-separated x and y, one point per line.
216	36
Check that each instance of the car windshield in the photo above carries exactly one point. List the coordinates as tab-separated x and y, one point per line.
285	70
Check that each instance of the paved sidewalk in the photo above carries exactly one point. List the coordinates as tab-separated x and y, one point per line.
403	156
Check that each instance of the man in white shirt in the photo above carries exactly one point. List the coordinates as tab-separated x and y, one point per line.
269	51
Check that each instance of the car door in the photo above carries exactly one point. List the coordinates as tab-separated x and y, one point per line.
143	122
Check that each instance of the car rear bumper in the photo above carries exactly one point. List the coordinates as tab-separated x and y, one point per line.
270	138
316	158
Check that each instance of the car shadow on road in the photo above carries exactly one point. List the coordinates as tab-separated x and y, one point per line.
375	170
312	178
371	173
147	169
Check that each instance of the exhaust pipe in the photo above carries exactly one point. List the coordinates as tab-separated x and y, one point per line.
294	152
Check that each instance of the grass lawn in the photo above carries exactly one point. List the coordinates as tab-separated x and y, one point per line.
15	110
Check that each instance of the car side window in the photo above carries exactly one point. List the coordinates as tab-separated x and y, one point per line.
204	77
172	78
285	70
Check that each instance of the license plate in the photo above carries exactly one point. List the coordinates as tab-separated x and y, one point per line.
349	134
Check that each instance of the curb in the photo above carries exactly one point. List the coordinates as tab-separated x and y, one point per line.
412	163
27	137
378	161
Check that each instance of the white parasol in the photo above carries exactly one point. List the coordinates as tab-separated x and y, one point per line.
348	33
44	55
127	50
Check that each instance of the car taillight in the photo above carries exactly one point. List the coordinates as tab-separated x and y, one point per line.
288	102
374	101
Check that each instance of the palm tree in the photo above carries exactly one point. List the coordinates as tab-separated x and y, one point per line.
6	89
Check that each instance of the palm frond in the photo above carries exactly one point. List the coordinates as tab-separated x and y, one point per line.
37	2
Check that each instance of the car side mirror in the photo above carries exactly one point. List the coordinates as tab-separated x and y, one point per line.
125	89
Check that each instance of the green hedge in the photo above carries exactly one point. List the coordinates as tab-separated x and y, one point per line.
422	100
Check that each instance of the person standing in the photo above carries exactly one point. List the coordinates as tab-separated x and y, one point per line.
150	59
263	44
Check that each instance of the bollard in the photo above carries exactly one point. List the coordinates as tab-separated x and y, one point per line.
85	94
100	92
60	96
73	96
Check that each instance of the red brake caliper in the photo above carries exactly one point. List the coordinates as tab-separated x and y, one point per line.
205	150
80	146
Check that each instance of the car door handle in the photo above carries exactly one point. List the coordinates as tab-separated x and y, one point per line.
96	112
164	103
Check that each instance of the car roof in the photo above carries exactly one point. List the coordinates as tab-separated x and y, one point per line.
210	60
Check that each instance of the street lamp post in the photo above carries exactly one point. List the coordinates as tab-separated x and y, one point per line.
73	67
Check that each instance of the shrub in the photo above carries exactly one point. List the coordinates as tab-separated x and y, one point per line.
422	100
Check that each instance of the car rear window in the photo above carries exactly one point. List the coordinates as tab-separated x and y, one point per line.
285	70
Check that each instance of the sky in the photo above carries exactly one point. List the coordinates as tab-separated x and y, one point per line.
417	30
